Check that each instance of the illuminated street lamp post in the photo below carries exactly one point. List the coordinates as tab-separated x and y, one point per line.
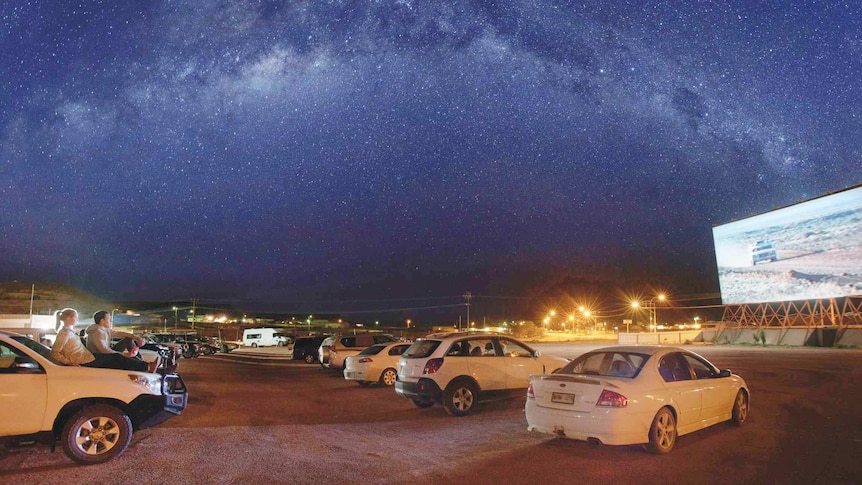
651	306
175	316
635	306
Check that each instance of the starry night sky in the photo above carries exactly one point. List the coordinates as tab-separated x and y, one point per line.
311	151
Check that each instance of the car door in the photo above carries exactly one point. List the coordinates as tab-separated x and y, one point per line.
716	396
485	365
685	390
519	362
23	392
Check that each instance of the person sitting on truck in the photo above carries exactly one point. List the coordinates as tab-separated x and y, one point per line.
99	336
68	349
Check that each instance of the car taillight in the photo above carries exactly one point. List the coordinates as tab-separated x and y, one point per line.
530	393
365	360
432	366
612	399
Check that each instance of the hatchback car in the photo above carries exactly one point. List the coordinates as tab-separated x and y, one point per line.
635	395
377	363
455	369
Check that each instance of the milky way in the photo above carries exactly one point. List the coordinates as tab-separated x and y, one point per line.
281	151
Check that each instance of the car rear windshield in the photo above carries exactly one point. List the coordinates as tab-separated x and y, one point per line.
373	350
607	364
421	349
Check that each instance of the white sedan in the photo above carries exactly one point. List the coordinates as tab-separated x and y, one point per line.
635	395
377	363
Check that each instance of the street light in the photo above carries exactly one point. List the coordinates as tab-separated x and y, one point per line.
635	306
112	315
175	316
651	307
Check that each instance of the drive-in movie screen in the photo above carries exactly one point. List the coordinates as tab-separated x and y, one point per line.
810	250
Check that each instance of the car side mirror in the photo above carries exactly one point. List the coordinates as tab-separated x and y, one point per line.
724	373
536	353
24	366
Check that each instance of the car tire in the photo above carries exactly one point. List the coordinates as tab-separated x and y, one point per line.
739	414
96	434
309	359
388	377
460	398
254	345
280	344
422	404
662	432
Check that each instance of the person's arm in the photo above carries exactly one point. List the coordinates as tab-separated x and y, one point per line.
121	334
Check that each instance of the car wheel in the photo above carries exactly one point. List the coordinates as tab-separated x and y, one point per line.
280	344
740	408
254	345
388	377
461	398
662	432
96	434
309	359
420	403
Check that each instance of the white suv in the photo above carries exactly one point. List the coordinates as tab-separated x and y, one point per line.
91	411
453	369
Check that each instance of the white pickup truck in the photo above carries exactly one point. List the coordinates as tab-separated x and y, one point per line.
92	412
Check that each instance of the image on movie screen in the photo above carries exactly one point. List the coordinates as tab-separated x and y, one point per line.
805	251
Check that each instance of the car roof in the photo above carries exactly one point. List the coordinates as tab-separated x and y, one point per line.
454	335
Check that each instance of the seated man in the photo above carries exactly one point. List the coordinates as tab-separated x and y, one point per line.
99	342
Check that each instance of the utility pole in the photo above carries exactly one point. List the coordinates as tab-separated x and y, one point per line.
467	297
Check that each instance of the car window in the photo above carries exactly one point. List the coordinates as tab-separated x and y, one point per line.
373	350
479	347
421	349
673	367
459	348
384	338
7	358
700	368
511	348
398	349
609	364
31	344
348	341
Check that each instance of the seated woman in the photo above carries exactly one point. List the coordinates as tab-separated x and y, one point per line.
68	350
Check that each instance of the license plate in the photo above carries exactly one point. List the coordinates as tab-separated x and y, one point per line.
562	398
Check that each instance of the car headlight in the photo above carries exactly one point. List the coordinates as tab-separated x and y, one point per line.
150	382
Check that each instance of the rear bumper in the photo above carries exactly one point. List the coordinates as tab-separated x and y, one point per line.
610	427
421	390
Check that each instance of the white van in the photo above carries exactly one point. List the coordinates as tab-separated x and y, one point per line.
262	337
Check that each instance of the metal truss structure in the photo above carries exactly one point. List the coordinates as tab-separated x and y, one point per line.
831	312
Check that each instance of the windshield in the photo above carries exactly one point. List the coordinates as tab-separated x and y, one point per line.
607	364
33	345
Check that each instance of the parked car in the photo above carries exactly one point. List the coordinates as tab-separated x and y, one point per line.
92	412
335	349
377	363
455	369
646	395
306	348
151	350
762	251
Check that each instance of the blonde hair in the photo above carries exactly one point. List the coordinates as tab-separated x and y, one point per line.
63	314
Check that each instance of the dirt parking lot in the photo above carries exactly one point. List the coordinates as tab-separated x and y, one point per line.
269	420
